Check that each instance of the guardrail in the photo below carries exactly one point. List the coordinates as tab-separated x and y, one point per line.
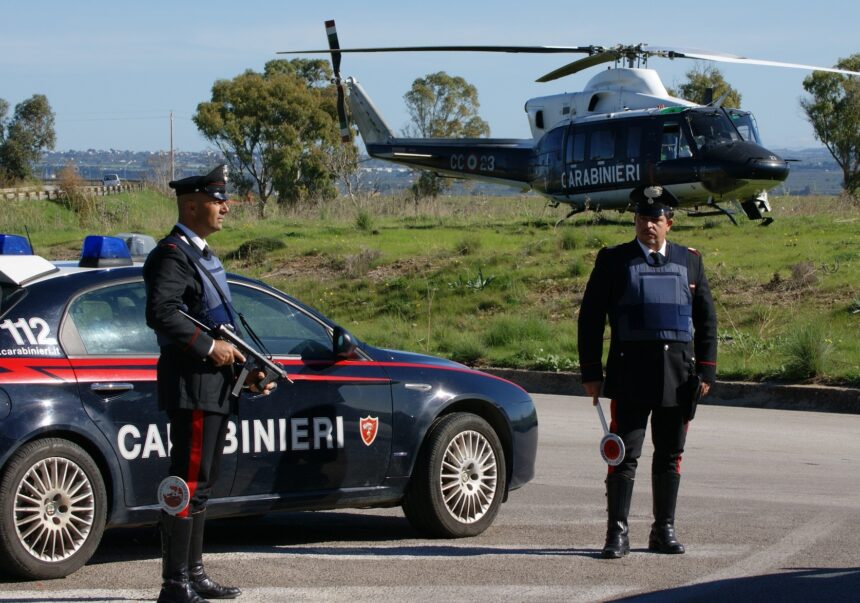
53	191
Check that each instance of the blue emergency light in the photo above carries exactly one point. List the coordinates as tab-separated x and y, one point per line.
14	245
103	252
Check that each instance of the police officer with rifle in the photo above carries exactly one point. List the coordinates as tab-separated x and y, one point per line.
188	303
662	359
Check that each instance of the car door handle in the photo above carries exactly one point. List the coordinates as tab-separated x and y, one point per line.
420	387
111	388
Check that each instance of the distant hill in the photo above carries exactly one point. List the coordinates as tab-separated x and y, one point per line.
815	172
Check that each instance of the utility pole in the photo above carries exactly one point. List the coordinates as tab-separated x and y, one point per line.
171	147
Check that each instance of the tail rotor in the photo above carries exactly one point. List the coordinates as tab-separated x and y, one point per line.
334	48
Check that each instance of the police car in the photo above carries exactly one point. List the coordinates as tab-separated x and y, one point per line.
83	446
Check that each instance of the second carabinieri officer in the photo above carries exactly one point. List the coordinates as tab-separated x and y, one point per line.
662	355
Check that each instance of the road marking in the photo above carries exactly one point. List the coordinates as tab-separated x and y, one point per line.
771	558
423	592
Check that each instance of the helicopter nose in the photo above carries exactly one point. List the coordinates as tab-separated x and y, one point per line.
749	161
773	168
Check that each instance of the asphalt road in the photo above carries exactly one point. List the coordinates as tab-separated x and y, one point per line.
769	510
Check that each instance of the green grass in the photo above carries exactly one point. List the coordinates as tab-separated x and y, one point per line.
494	282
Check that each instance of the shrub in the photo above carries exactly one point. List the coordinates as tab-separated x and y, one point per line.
71	184
364	221
468	245
576	268
360	263
510	330
466	351
254	250
568	240
807	351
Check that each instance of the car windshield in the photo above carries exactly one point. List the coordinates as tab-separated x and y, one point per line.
712	128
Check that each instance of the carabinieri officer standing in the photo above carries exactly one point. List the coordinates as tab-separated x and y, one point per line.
195	374
662	353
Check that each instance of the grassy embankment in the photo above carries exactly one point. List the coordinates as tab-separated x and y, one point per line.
493	282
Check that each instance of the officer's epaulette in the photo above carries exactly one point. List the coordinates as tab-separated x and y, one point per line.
694	251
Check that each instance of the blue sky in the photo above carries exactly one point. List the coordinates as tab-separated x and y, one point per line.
113	71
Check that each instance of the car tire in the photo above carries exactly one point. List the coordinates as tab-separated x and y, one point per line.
459	478
53	505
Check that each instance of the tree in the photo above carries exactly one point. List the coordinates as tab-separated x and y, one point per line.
276	129
25	136
704	80
834	112
442	106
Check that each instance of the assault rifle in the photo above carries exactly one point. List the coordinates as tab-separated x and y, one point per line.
254	360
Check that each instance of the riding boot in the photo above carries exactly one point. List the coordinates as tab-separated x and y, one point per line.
175	541
662	538
200	582
619	491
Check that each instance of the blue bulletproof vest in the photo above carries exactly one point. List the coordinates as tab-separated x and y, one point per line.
657	304
217	303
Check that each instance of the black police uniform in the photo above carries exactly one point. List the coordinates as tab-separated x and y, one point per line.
193	392
663	334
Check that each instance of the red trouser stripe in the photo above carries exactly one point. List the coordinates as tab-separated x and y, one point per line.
680	456
196	453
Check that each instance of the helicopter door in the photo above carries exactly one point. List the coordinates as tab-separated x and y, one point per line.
573	160
550	161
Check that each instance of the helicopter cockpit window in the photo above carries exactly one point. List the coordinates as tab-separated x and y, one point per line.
602	144
745	124
674	143
712	128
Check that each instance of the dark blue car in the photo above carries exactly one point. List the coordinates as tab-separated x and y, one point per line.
83	445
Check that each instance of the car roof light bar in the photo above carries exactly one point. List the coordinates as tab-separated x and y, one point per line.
14	245
104	252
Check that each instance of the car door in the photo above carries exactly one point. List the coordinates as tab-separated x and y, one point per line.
329	429
114	356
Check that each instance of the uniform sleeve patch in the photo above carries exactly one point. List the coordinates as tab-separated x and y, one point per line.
694	251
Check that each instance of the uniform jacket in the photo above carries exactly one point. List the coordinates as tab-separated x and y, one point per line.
650	372
187	379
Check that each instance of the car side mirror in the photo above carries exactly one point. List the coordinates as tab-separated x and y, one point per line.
343	345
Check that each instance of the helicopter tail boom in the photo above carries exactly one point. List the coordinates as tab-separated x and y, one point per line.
500	160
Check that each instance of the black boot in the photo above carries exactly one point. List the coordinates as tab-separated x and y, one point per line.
200	582
619	491
175	541
662	538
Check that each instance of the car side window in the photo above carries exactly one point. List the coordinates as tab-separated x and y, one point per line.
112	321
283	328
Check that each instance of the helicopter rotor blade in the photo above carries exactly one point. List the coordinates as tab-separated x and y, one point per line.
597	55
334	47
457	48
605	56
721	57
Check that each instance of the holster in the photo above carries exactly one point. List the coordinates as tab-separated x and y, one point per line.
691	395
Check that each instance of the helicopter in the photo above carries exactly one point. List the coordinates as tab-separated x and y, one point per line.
621	140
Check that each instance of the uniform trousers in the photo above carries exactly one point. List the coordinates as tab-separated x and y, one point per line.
197	444
668	433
